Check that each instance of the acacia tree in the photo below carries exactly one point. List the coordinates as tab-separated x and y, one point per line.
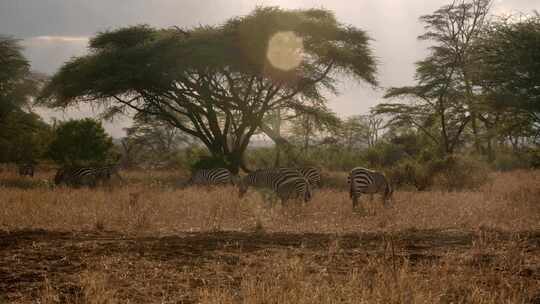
222	80
307	124
444	102
509	76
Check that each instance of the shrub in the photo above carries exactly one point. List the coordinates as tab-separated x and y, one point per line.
410	172
459	172
209	162
81	142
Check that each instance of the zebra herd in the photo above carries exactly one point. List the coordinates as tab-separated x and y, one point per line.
286	183
297	183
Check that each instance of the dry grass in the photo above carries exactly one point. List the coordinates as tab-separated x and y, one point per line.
510	203
148	240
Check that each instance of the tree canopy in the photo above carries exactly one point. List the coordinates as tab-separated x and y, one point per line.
217	83
510	63
17	83
23	135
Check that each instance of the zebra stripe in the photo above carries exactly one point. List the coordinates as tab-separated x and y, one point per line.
217	176
26	169
365	181
85	176
287	183
312	174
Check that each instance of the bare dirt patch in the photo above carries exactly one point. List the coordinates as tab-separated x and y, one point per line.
180	268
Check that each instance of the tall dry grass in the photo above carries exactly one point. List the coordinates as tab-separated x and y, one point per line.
156	204
493	264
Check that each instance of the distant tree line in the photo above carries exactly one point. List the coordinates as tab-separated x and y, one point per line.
198	96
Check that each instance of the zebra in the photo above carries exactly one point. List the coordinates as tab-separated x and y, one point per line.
365	181
26	169
206	177
85	176
285	182
312	174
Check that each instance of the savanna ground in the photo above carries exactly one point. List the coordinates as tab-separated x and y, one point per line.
148	241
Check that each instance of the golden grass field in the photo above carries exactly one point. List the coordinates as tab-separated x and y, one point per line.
148	240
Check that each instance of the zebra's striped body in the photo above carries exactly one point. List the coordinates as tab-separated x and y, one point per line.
313	175
206	177
287	183
85	176
365	181
26	169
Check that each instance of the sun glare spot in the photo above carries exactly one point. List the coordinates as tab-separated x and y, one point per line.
285	50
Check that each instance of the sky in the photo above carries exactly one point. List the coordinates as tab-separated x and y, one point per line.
53	31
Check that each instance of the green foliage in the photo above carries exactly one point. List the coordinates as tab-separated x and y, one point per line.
24	137
17	83
510	62
81	142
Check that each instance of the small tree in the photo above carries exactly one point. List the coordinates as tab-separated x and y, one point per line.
306	126
80	142
152	142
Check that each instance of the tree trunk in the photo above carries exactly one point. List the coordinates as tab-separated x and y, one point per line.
284	144
277	160
474	126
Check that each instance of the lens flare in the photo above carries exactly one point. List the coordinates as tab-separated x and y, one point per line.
285	50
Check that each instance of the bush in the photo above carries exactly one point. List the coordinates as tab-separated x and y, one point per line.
459	173
81	142
449	173
410	172
209	162
507	161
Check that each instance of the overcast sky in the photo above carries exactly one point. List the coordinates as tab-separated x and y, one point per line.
55	30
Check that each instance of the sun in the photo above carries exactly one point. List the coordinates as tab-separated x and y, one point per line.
285	50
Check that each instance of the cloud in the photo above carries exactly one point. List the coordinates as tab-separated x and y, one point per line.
56	39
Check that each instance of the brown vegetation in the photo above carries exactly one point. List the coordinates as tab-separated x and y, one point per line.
149	240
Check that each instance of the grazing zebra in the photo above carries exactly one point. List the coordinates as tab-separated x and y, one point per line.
313	175
286	183
26	169
206	177
362	180
85	176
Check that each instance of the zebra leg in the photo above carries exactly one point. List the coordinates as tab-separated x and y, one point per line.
357	206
